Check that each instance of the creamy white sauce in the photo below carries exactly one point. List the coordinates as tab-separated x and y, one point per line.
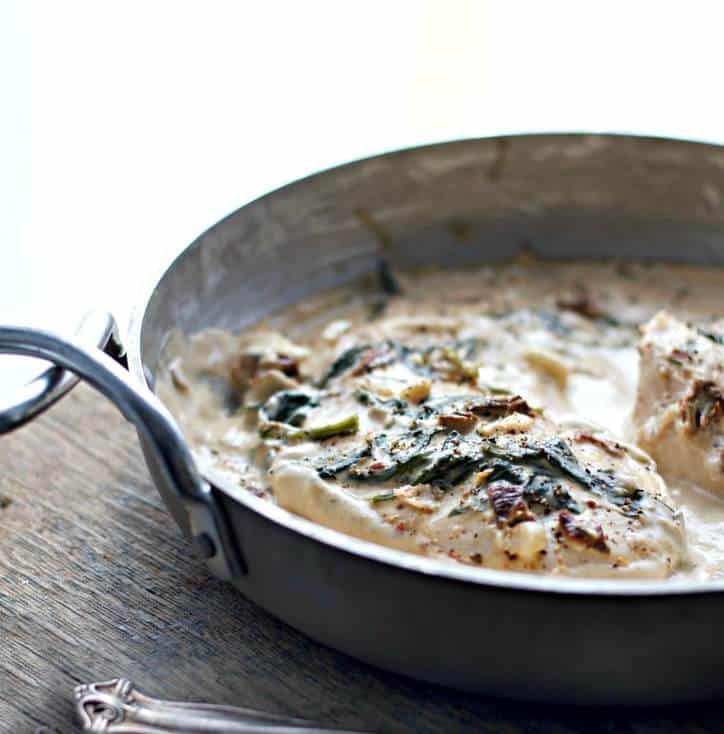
562	336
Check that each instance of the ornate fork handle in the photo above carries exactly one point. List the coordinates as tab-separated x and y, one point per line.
116	707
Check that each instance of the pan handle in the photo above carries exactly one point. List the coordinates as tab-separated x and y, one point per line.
35	397
210	531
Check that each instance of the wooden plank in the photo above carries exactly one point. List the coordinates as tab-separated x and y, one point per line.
96	583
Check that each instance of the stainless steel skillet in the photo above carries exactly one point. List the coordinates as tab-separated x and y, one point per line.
450	204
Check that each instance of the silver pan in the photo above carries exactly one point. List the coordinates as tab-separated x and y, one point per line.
462	202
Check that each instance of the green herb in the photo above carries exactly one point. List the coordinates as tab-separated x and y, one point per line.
468	372
388	282
552	322
376	309
329	471
545	490
343	427
448	471
382	497
410	358
558	455
450	468
601	483
716	338
396	462
610	320
344	362
557	452
289	406
397	467
538	468
396	405
381	355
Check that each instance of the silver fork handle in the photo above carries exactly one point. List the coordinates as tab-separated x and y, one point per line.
116	707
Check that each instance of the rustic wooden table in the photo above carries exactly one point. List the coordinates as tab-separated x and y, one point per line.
96	583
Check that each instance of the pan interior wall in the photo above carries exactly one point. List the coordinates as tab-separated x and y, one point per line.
561	196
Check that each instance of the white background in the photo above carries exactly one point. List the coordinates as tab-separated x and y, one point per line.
127	127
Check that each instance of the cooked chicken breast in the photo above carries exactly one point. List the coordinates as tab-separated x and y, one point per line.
452	471
679	413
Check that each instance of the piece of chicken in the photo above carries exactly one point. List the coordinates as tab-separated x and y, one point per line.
679	412
465	474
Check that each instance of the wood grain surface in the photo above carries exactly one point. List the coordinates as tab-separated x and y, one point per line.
95	582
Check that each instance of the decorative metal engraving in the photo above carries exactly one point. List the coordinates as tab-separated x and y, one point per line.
116	707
